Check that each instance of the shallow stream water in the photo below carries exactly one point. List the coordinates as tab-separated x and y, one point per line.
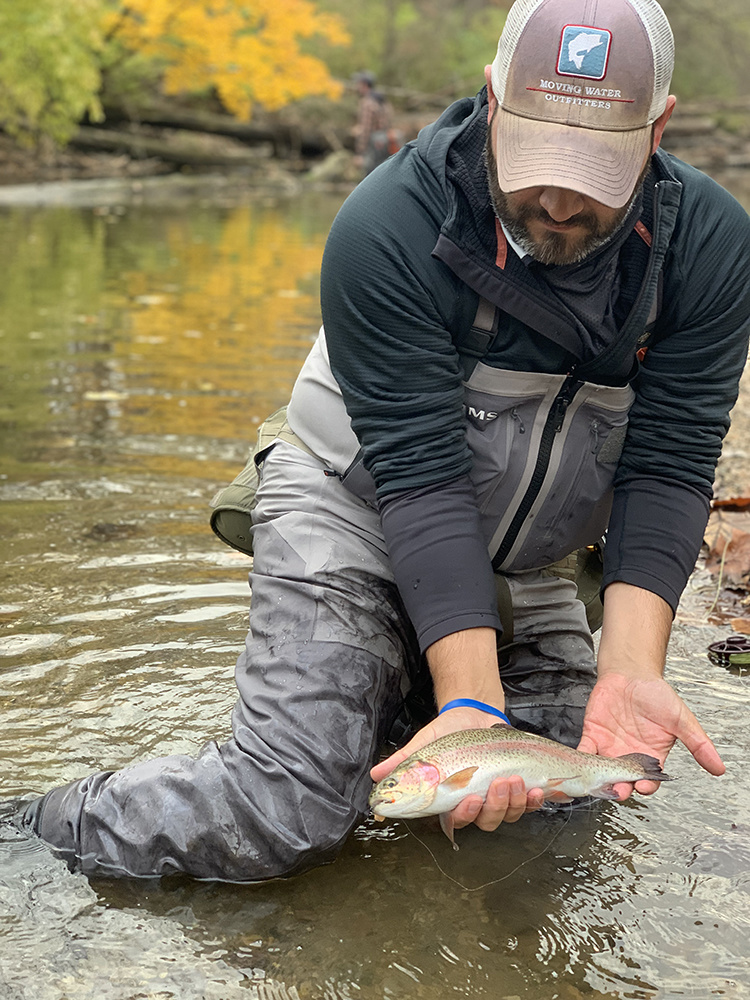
140	347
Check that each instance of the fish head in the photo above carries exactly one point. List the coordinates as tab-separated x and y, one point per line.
407	791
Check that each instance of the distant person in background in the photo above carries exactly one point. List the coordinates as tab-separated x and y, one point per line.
372	146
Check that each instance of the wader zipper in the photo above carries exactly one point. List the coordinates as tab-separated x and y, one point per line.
552	426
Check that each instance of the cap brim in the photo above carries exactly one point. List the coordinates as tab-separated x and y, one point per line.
602	165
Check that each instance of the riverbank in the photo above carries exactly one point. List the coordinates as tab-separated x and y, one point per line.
172	188
195	146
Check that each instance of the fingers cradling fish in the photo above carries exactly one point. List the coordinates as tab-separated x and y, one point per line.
436	778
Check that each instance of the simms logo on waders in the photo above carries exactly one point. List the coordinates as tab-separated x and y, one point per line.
480	417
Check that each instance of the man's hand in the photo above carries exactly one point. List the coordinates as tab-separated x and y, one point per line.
643	715
506	800
632	709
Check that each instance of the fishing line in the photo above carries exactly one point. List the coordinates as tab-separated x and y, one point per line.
494	881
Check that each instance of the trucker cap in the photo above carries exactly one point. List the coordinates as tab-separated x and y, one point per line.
579	84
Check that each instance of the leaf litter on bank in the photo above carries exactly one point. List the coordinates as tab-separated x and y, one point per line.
727	541
727	538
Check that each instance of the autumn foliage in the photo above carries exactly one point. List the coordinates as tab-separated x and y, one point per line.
248	50
55	54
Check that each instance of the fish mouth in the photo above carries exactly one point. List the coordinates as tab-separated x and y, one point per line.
381	800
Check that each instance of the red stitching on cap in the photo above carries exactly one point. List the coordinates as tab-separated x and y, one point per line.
619	100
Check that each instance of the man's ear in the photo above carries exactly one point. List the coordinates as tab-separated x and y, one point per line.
661	122
490	92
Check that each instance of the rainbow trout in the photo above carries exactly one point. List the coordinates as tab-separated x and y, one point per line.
435	779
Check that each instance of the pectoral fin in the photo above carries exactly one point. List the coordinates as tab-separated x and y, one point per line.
460	779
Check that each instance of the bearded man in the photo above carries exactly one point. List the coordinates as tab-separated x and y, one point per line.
534	326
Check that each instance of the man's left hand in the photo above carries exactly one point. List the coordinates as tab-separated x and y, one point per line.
643	715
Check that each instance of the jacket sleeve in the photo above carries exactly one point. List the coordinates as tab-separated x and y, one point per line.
440	560
388	311
686	387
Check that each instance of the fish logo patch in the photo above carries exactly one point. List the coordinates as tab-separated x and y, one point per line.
584	51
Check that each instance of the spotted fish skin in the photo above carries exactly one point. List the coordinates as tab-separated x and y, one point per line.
436	778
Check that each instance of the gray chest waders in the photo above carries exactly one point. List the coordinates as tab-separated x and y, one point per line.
527	432
509	425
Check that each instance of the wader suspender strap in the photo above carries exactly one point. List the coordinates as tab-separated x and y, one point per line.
474	345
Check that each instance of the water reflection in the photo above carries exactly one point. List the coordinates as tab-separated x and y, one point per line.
155	336
140	350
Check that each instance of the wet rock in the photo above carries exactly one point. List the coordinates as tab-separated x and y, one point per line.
108	532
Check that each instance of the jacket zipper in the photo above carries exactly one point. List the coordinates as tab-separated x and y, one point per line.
552	426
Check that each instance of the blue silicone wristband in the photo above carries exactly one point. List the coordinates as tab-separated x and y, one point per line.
470	703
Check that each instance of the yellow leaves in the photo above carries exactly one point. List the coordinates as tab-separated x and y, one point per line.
249	51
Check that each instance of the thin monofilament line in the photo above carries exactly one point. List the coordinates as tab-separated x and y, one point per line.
494	881
721	578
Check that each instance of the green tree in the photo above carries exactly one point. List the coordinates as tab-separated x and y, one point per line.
712	41
433	46
440	46
50	57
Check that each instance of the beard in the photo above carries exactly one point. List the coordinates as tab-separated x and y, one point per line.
557	248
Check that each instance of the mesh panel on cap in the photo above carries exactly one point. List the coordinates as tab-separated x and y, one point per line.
662	45
518	15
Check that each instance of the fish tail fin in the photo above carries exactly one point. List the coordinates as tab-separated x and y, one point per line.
651	767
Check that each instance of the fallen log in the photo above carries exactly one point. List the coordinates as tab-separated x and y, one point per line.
286	138
181	147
